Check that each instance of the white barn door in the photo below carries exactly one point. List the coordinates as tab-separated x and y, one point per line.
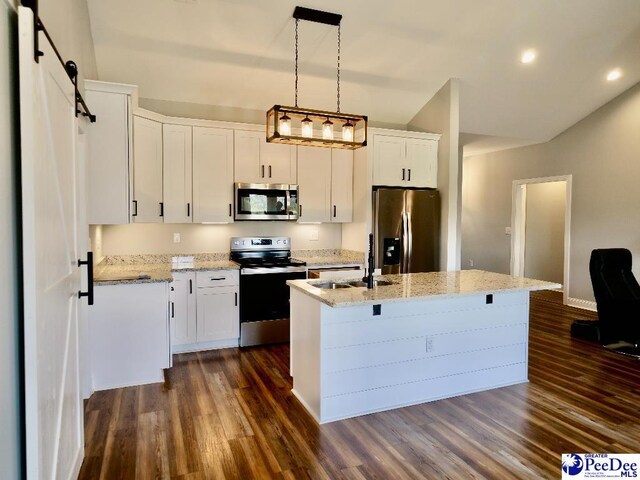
53	405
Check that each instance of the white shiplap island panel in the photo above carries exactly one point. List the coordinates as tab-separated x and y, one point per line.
437	335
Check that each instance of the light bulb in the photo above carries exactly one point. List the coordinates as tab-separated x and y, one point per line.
528	56
307	127
347	132
614	75
327	130
285	125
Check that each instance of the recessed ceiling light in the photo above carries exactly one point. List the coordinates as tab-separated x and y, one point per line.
528	56
614	75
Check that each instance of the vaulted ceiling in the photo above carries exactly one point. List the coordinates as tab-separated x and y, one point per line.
395	56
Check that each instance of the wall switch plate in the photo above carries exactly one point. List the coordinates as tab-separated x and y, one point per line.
470	263
176	238
314	235
507	230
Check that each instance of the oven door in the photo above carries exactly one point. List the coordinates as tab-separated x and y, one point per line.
266	201
264	294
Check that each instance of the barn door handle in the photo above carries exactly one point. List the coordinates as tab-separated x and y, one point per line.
89	264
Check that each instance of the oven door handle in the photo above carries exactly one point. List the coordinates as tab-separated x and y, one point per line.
267	270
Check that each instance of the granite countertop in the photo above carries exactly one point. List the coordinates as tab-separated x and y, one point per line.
414	286
153	268
329	257
124	269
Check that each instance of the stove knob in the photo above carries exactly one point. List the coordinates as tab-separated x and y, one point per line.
279	242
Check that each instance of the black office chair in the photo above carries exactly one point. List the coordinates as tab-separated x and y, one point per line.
617	296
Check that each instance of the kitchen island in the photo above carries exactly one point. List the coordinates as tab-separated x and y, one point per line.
421	337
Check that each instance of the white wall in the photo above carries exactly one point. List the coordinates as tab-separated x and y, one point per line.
442	115
67	21
544	235
158	238
10	386
602	152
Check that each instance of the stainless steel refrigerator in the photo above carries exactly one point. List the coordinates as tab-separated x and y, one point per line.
406	230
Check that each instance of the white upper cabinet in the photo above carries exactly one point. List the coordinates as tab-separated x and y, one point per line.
108	162
405	162
422	163
147	171
257	161
325	185
212	175
341	186
177	166
314	184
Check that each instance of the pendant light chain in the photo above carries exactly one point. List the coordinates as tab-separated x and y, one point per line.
338	109
296	87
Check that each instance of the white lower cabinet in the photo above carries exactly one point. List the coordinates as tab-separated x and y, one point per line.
205	313
129	335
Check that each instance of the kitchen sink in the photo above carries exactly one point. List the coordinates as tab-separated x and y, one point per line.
376	283
351	284
331	285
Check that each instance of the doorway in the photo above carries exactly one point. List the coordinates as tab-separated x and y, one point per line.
540	224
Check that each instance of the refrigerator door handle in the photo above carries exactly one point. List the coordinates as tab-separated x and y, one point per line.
405	247
409	241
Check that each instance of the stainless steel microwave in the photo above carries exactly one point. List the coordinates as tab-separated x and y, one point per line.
266	201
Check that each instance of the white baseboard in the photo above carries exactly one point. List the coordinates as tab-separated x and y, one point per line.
583	304
198	347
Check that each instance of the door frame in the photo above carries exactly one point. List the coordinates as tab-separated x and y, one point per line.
519	221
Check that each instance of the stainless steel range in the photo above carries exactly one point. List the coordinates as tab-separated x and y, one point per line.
265	267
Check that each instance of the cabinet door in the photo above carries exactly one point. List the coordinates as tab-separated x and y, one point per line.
314	184
422	163
217	313
341	185
389	155
183	327
277	162
212	175
247	156
177	177
108	162
147	171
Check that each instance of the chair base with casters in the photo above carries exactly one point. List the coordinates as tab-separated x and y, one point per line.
617	295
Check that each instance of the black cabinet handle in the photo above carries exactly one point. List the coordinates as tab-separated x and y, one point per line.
335	211
236	299
89	264
409	175
188	209
300	210
190	286
230	210
135	212
269	171
162	209
173	310
262	171
403	174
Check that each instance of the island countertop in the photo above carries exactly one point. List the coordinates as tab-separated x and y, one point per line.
416	286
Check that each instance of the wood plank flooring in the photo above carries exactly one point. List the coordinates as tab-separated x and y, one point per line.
230	414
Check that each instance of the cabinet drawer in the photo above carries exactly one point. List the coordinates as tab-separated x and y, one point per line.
216	278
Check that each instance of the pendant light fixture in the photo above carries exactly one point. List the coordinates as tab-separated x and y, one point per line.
295	125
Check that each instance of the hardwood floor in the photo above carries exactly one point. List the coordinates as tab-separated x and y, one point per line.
230	414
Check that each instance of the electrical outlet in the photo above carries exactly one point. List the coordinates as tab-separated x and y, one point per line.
429	344
314	235
470	262
176	238
507	230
